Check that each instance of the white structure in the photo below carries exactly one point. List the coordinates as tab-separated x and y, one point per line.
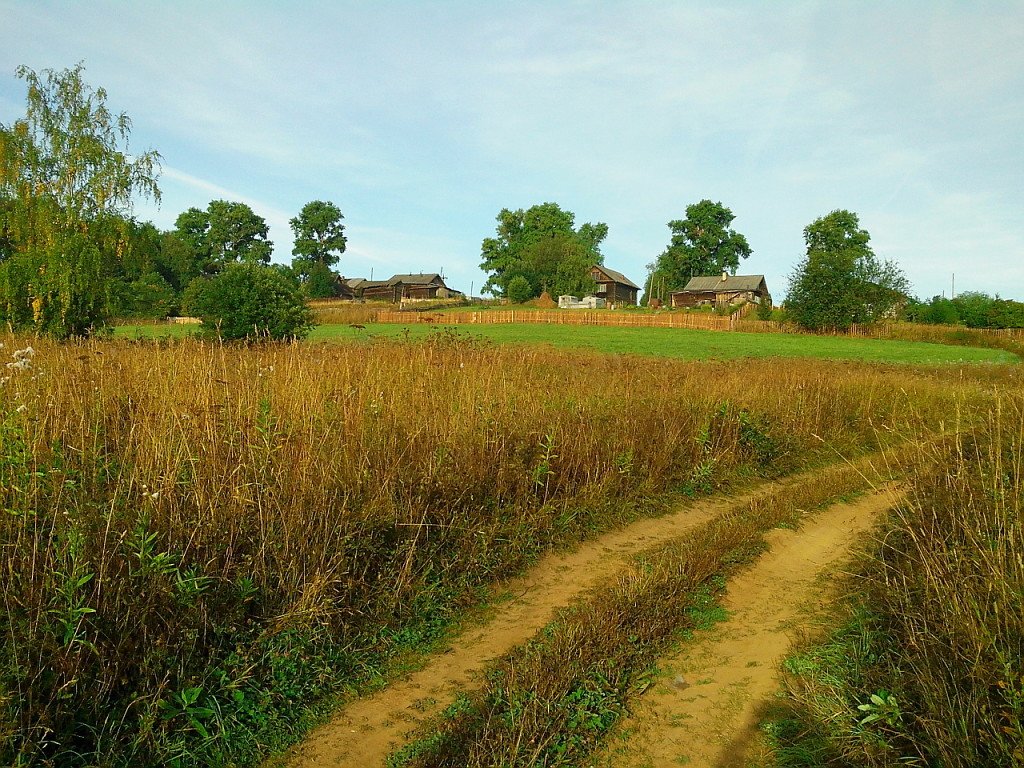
587	302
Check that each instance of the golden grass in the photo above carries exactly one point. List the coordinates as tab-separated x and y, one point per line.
197	540
935	629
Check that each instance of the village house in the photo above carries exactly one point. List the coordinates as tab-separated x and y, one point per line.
723	291
400	288
614	287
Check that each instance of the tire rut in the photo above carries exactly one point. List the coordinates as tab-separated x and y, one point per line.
365	731
702	711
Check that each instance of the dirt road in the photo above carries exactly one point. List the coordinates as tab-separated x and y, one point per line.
702	710
720	680
364	732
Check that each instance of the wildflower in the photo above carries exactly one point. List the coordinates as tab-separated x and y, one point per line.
21	409
21	364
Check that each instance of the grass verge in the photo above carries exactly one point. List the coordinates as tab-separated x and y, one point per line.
926	665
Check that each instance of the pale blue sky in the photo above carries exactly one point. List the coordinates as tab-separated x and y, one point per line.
422	120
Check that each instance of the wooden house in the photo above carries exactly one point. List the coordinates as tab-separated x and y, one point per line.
399	288
723	291
614	287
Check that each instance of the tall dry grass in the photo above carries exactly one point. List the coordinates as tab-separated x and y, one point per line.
197	540
335	312
929	666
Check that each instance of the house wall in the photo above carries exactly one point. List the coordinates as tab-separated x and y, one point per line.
380	293
717	298
616	293
419	291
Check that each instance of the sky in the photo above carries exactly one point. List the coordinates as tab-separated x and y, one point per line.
421	121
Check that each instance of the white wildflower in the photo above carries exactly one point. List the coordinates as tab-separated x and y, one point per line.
21	409
21	364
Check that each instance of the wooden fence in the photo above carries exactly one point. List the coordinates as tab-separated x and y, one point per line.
704	322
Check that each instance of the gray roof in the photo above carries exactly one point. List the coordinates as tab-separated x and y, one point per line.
418	279
618	277
730	283
354	282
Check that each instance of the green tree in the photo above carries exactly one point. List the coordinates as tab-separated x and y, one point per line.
320	281
518	290
702	244
840	281
225	233
319	236
973	308
249	301
67	183
542	245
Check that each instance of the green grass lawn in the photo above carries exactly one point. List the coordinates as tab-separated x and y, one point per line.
680	343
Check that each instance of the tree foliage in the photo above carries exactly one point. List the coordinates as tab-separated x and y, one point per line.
319	235
971	308
319	281
250	301
701	244
542	246
840	281
225	233
67	183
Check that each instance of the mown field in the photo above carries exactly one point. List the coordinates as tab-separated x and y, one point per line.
202	543
678	343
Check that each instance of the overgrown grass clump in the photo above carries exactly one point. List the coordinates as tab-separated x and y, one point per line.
927	667
197	541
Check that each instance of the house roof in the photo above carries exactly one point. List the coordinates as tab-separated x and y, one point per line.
418	279
354	282
618	277
730	283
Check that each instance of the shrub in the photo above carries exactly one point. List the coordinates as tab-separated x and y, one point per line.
248	301
519	290
321	282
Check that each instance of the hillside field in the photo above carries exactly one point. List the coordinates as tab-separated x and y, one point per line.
678	343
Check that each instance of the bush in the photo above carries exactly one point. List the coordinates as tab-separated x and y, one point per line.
150	296
519	290
321	282
248	301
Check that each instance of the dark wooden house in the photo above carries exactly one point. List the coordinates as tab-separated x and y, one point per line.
723	291
401	287
614	287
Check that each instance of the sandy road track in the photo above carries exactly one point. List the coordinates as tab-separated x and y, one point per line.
365	731
702	710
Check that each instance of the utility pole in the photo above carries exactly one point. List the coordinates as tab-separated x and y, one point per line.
952	288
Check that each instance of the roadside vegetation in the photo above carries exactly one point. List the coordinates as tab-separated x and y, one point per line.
924	666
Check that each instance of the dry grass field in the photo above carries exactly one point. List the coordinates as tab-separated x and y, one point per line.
199	542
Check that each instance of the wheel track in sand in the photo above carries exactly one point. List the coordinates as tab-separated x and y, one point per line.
365	731
702	711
